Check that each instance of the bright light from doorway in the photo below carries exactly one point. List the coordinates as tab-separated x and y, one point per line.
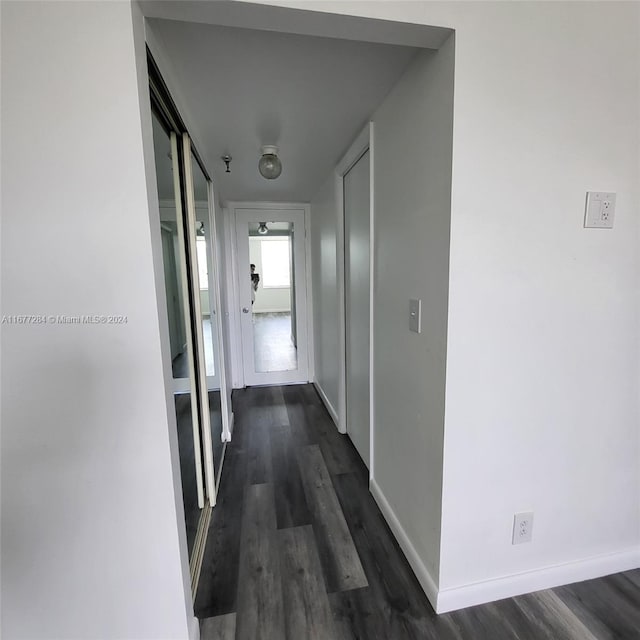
276	271
203	274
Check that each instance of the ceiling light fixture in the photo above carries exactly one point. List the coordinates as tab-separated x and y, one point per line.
269	165
262	229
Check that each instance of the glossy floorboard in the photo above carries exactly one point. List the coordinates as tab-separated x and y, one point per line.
273	348
299	550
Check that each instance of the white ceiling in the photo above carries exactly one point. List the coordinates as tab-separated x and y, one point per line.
309	95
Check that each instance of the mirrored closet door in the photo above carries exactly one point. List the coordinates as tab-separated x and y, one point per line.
182	353
190	278
204	304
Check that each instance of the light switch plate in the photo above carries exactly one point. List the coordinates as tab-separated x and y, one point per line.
599	210
415	315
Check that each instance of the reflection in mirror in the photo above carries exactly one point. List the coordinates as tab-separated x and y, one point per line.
205	256
273	296
180	345
205	293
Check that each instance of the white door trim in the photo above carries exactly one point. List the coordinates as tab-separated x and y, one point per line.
233	303
232	208
223	376
363	143
203	391
182	243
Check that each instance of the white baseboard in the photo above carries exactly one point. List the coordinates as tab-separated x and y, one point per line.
530	581
194	629
424	577
323	396
508	586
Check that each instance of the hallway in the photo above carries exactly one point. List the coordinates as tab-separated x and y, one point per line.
298	549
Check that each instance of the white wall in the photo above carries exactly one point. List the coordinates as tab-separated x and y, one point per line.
204	302
411	256
326	318
91	542
542	402
226	221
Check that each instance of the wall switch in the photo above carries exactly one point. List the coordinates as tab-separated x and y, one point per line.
599	210
522	527
415	315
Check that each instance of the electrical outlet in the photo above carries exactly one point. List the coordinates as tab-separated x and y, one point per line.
522	527
599	210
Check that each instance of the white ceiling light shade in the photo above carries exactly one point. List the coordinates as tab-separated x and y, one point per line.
269	165
262	229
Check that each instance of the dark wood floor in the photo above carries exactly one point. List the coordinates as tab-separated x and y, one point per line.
298	550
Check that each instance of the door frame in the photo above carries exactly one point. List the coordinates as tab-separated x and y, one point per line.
233	282
364	142
214	282
214	381
196	311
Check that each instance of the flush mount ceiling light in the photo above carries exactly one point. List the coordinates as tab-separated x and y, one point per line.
262	229
270	166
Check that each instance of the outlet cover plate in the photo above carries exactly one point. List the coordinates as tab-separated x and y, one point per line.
599	210
522	527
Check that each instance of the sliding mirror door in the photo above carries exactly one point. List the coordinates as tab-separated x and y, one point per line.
180	327
189	269
205	310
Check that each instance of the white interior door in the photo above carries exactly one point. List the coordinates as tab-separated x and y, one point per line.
273	299
357	298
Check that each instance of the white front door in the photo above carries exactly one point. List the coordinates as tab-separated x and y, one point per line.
272	295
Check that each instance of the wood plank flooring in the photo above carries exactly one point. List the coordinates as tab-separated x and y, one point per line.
298	550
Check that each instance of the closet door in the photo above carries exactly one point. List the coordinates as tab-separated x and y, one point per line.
357	297
187	237
183	364
205	319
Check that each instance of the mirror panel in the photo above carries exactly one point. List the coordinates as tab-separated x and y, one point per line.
272	283
206	260
185	398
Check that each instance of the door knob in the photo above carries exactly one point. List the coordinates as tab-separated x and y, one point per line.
245	310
